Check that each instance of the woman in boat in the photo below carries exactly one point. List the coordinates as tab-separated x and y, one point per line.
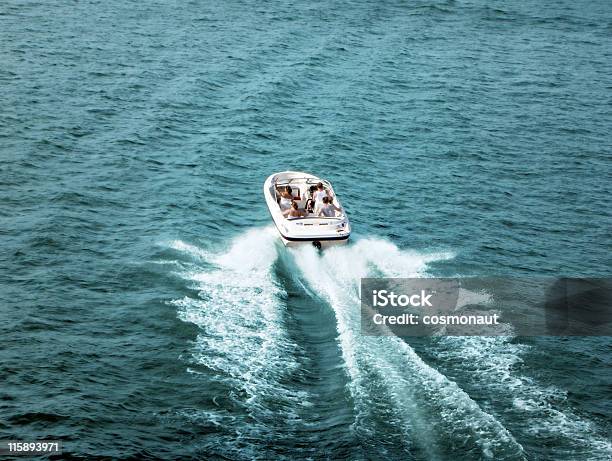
286	197
328	209
294	211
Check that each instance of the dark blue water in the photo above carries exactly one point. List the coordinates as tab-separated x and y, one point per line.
147	307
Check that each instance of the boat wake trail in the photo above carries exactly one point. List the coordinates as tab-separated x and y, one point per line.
276	368
393	388
489	366
242	343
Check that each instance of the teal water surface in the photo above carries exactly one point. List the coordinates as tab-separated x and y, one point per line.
148	309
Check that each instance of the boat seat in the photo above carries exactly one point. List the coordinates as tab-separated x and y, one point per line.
302	202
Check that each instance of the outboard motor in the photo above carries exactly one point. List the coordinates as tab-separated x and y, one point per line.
316	244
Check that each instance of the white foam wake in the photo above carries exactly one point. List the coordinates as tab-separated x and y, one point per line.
239	310
490	365
491	362
387	376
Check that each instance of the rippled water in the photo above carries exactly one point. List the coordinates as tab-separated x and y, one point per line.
148	308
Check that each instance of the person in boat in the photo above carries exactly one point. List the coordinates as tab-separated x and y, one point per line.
294	211
328	209
310	203
318	196
320	193
286	197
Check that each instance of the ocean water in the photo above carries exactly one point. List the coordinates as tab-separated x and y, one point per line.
148	309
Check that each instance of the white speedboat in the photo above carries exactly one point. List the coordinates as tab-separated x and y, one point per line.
310	227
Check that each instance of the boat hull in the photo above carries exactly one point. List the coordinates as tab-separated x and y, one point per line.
314	242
